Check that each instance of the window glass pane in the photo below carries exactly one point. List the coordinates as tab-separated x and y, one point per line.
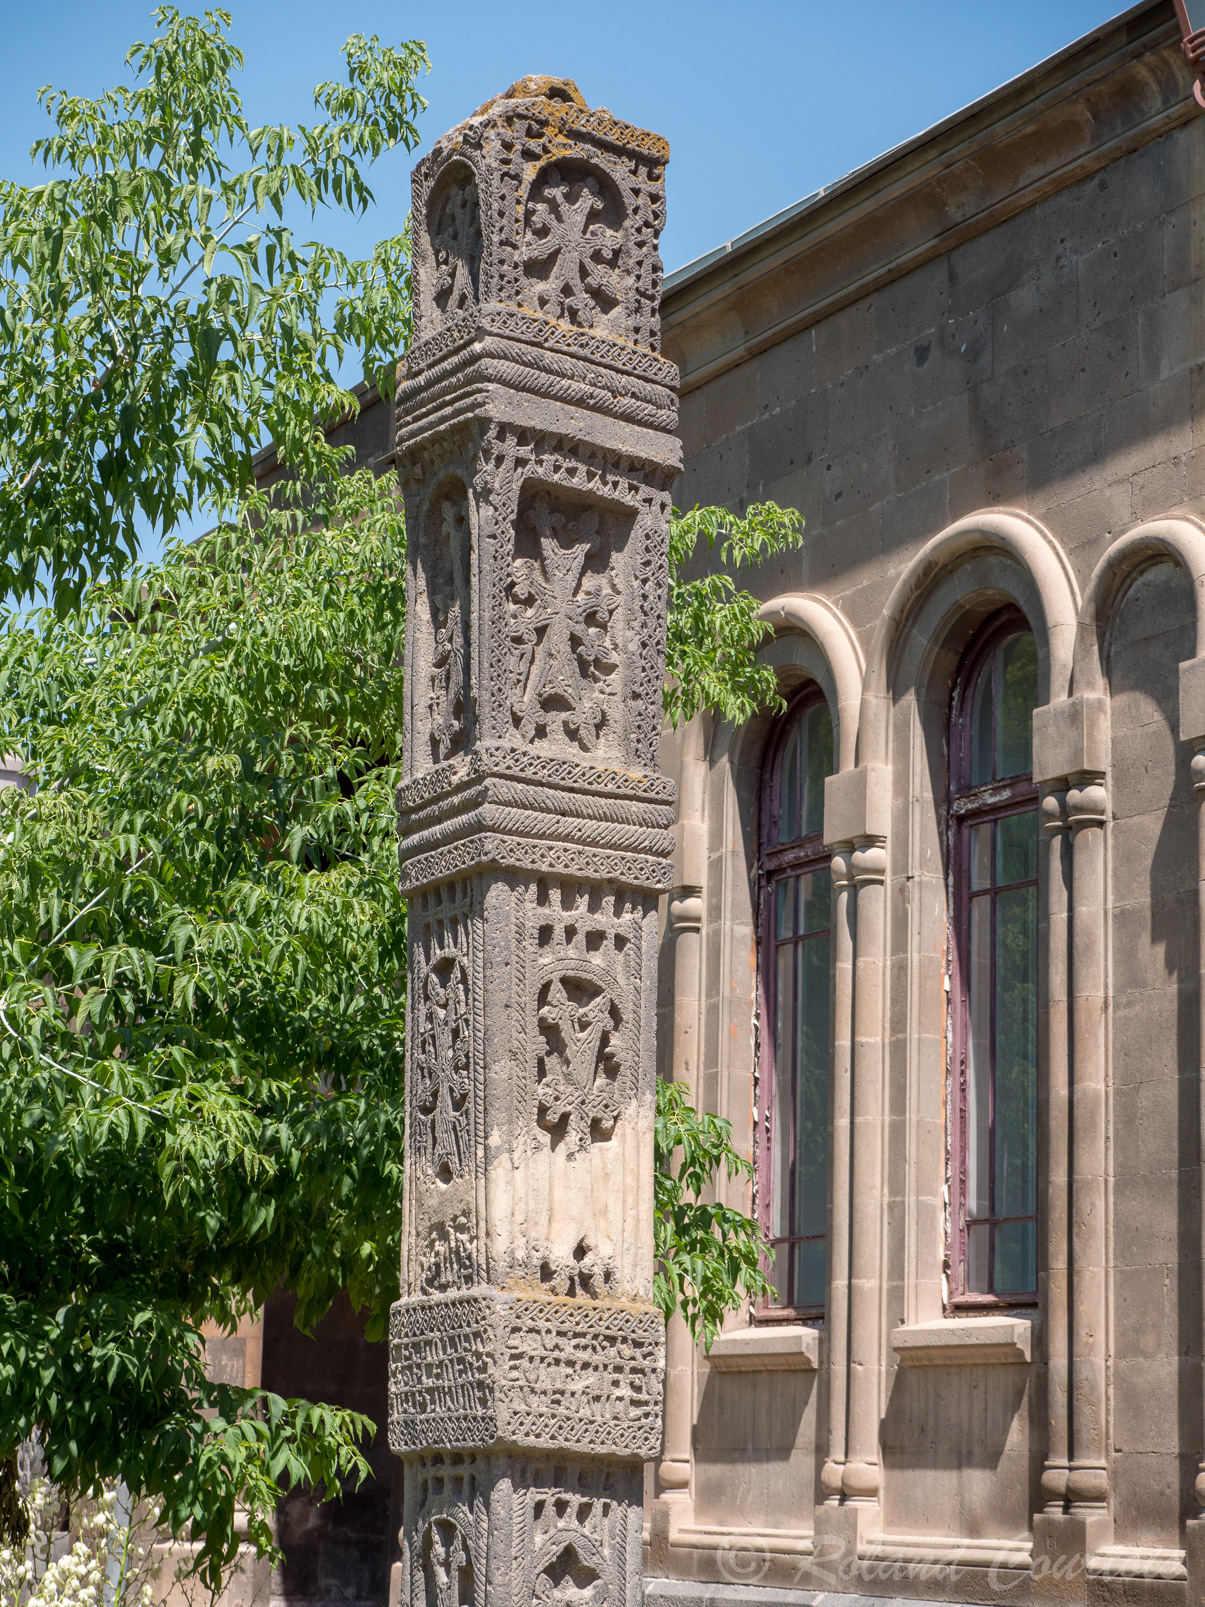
1016	1052
788	797
809	1273
1017	848
1016	1271
978	1109
981	855
978	1242
815	897
783	1044
819	765
982	735
1018	697
811	1117
784	906
780	1265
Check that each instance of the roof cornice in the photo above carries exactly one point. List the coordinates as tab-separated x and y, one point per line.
1107	94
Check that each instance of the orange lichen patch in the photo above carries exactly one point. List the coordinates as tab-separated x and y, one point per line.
569	116
538	87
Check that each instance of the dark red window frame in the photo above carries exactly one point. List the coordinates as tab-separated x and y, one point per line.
972	805
779	863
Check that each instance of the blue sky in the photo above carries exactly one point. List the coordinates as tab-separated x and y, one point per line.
763	101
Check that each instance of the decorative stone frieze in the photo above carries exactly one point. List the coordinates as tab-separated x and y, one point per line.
536	448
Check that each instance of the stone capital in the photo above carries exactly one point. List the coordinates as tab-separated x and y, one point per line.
1070	737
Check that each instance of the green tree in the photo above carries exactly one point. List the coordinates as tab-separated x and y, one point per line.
202	957
159	320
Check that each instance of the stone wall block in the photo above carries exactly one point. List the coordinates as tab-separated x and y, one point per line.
1122	274
994	264
1040	314
536	444
913	305
784	373
1095	366
952	357
1009	408
1068	461
844	340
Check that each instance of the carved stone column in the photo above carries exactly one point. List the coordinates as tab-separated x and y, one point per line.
861	1478
686	923
1071	760
536	446
1194	1529
1088	1478
1054	1024
831	1473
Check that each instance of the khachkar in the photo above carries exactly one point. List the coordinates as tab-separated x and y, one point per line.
536	448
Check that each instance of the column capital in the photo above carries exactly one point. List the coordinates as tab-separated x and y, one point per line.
1053	807
686	909
869	861
841	865
1087	800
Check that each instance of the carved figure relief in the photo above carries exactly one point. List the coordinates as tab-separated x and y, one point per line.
444	1494
442	1071
562	625
449	696
448	1257
583	1009
580	1061
447	1564
455	231
570	252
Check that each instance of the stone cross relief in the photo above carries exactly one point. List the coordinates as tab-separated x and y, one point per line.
560	630
443	1073
581	283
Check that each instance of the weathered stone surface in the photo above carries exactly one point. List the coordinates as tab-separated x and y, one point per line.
536	447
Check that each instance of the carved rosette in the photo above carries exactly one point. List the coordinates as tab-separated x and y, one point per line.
536	446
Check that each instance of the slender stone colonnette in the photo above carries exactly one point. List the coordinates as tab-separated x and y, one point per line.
536	445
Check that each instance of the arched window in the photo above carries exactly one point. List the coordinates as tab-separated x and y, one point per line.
994	969
796	989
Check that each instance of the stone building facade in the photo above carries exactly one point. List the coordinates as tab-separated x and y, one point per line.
935	941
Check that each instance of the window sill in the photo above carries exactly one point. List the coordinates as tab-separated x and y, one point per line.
965	1342
782	1348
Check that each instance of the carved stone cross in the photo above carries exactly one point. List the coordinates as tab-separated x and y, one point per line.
536	444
